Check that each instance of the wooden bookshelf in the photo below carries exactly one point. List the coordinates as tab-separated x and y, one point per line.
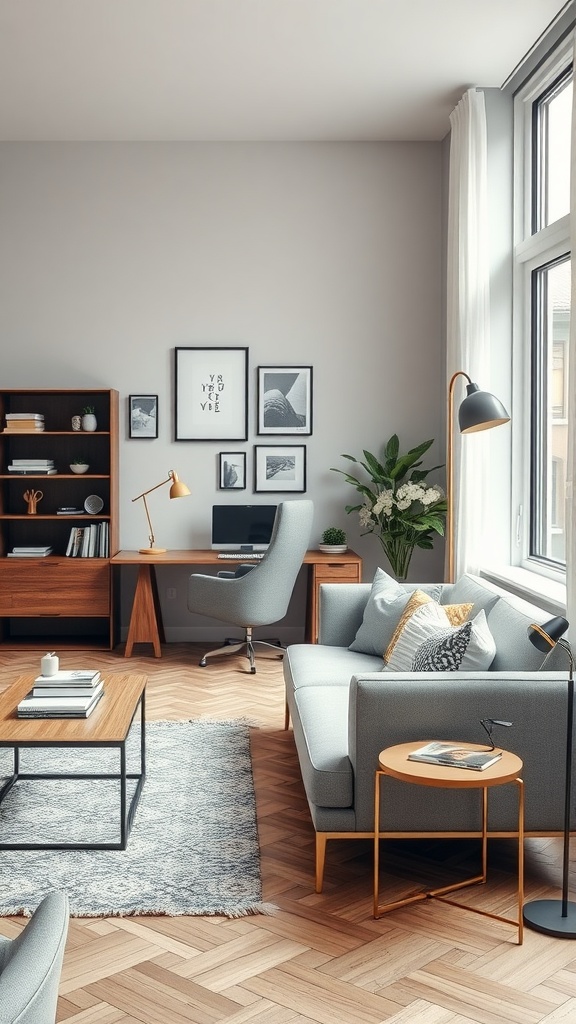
58	600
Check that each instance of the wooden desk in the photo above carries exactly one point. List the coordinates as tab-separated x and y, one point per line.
146	618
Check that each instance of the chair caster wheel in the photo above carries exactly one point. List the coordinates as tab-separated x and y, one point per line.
202	663
253	671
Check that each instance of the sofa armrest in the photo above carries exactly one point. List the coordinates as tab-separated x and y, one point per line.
387	708
340	612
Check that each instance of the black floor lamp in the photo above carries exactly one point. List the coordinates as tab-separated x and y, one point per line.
557	917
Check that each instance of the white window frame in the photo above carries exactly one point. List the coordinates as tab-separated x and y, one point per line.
531	251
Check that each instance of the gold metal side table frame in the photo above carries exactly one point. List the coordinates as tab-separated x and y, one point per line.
393	763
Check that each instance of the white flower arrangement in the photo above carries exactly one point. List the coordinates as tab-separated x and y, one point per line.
404	514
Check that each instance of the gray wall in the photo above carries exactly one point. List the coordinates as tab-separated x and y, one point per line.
324	254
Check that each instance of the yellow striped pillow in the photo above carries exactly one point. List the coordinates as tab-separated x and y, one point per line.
455	613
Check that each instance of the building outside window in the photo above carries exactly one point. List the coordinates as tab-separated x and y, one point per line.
542	283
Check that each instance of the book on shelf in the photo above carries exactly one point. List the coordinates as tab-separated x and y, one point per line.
23	428
69	511
72	676
88	541
70	690
31	547
31	464
32	471
25	416
454	755
28	554
57	707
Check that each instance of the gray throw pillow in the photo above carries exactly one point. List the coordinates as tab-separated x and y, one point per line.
384	607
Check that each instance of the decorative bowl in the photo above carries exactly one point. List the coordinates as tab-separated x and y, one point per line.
93	504
333	549
79	467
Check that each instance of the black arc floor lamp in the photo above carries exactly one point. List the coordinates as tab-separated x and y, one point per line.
479	410
557	917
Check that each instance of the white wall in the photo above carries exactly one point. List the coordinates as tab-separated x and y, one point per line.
324	254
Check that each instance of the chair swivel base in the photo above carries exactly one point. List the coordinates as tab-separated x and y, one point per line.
246	646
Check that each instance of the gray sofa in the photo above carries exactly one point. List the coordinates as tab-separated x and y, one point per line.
345	709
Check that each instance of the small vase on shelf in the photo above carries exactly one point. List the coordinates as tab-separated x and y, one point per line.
89	419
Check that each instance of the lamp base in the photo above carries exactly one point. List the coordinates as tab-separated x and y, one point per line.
546	916
152	551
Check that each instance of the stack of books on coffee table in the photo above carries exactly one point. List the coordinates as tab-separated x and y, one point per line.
72	694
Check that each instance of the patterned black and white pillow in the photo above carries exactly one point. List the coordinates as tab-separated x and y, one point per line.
444	651
467	648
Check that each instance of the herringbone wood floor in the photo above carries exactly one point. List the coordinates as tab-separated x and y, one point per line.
320	958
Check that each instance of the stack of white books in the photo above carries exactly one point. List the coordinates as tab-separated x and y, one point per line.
36	467
72	694
23	422
39	551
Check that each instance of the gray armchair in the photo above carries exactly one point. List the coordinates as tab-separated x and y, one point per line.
30	965
261	596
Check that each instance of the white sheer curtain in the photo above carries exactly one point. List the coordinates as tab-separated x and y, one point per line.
468	320
571	460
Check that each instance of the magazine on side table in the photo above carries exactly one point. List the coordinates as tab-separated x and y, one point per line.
454	755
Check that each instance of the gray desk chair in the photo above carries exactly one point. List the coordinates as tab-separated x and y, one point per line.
30	965
260	596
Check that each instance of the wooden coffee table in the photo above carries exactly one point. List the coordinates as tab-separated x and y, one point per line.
107	727
393	763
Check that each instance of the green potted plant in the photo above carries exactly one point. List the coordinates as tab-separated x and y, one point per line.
79	465
333	541
398	505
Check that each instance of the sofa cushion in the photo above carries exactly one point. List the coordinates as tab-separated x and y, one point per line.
424	623
467	648
456	614
471	589
509	627
320	665
384	607
321	733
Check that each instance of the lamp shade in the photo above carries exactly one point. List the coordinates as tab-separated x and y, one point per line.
178	489
480	410
548	634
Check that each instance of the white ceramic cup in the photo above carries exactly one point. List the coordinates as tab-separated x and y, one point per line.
49	664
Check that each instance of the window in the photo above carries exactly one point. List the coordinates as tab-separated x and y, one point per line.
543	113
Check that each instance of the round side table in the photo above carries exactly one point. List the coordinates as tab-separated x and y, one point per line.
393	763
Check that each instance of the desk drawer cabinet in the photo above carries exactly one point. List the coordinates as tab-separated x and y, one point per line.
333	570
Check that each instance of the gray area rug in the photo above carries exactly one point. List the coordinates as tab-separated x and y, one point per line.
193	848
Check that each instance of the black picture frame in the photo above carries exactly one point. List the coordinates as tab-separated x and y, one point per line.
279	468
142	416
284	400
232	471
211	394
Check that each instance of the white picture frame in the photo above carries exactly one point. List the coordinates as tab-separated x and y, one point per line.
211	394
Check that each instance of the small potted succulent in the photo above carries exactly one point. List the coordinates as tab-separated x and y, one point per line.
89	418
79	465
333	541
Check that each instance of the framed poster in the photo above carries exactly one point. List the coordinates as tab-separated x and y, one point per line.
232	471
143	415
284	400
280	467
211	394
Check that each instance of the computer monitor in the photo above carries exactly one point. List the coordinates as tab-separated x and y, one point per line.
242	527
